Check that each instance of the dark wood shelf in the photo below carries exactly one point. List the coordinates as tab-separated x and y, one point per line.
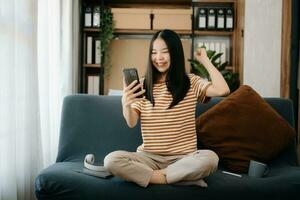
213	1
213	33
90	29
144	31
135	31
91	65
149	2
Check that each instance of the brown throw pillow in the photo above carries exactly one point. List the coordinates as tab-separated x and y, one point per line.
243	127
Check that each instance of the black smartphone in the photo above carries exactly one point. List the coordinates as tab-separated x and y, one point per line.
130	75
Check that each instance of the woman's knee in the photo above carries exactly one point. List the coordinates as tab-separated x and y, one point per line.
112	160
209	159
213	159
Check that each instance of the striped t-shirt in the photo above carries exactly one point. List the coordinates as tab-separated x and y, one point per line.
170	131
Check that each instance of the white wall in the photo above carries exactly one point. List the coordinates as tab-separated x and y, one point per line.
262	46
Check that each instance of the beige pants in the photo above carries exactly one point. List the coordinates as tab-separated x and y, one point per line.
138	166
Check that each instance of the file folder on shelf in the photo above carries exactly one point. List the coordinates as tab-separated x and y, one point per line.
211	24
202	18
229	19
88	16
89	49
93	84
220	19
97	51
96	16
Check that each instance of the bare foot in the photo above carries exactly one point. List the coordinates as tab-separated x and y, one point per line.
159	177
199	182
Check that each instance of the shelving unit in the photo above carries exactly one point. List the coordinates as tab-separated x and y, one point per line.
189	36
86	69
235	36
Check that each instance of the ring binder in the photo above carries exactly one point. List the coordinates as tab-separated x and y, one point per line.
97	51
202	18
89	49
229	19
96	16
88	16
211	24
220	18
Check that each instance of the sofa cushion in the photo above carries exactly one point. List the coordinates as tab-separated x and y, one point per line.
243	127
60	182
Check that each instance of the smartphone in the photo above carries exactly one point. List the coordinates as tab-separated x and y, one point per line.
130	75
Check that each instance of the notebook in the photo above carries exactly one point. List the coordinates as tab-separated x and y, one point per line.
99	174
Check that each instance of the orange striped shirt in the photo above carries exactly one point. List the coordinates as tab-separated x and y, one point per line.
170	131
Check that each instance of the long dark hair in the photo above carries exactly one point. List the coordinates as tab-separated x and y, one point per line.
177	80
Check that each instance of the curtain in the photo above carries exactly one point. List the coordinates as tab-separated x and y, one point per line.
38	68
57	62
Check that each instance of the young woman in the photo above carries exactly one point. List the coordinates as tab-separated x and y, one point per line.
169	152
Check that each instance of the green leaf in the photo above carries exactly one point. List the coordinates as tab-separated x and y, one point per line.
194	62
106	35
210	53
222	66
216	64
230	77
215	57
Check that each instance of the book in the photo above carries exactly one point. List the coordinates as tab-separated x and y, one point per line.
97	51
223	50
99	174
90	85
217	49
212	46
93	84
96	85
89	49
114	92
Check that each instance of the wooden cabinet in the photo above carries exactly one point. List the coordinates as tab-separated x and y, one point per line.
175	19
127	18
136	22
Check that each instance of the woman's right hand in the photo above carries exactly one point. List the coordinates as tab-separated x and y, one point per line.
129	95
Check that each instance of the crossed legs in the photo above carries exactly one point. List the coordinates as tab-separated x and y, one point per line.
138	168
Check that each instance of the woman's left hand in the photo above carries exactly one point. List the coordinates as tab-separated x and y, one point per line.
201	55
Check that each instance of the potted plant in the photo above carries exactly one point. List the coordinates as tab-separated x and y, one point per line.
232	78
106	35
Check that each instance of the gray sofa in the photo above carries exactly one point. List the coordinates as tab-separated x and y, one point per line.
94	124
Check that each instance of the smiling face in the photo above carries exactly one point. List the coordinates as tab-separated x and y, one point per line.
160	57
